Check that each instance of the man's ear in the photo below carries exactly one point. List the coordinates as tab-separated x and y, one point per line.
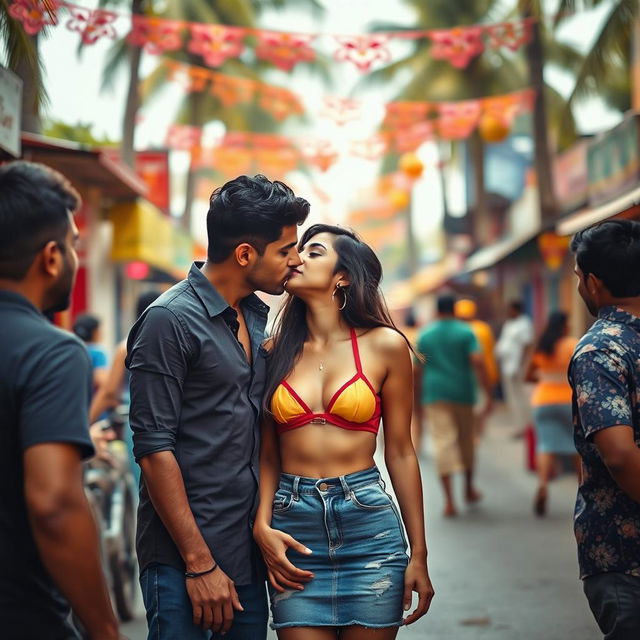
245	254
594	284
51	259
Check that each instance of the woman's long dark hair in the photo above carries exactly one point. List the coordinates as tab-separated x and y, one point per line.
365	307
553	331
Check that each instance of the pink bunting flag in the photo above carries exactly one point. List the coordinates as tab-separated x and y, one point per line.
363	51
372	148
183	137
92	24
285	50
216	43
34	14
156	35
459	45
340	110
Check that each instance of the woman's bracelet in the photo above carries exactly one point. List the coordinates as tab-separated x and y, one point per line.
197	574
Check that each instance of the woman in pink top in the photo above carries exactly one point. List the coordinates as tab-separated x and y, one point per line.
551	402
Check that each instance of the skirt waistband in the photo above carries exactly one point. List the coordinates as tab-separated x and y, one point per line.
311	486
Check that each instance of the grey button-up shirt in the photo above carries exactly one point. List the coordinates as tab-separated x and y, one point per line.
194	393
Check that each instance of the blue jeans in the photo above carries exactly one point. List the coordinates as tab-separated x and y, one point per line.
169	612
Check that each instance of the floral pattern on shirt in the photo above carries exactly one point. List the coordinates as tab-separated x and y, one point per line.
605	376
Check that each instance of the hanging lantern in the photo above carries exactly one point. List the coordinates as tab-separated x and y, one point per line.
411	165
493	128
553	249
398	198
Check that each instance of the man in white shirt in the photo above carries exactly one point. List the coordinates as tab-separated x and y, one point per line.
513	350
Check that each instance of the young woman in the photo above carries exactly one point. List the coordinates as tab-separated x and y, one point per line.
551	402
337	366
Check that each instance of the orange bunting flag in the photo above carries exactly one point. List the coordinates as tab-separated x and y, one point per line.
216	43
363	51
285	50
459	45
232	161
458	119
232	90
404	114
280	103
410	138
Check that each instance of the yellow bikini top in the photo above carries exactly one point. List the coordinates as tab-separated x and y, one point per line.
355	405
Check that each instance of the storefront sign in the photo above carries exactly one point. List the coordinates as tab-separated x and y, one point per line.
153	168
570	177
10	107
613	160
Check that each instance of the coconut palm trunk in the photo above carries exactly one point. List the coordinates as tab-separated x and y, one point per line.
534	52
133	97
31	75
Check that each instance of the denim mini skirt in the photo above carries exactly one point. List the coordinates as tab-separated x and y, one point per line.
359	551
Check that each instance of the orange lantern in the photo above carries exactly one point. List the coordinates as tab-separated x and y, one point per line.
553	249
493	128
398	198
411	165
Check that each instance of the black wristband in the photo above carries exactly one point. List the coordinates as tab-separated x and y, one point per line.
197	574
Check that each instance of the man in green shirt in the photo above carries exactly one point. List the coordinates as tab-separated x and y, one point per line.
446	385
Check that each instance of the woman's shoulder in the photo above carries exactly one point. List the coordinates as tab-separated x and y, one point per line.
385	340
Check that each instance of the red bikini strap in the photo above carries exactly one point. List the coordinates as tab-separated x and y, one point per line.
356	351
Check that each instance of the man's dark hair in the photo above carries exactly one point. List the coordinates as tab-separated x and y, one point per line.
516	305
611	252
85	326
446	304
253	210
35	202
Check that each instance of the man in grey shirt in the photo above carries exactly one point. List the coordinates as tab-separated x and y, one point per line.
197	379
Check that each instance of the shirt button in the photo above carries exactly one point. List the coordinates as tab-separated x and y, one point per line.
323	486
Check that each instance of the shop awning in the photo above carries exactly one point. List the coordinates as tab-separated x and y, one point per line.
84	166
588	216
428	279
143	233
491	255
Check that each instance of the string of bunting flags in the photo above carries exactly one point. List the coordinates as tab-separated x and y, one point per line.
216	43
406	126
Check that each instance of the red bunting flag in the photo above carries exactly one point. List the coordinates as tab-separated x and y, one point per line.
285	50
458	119
459	45
363	51
34	14
512	35
183	137
92	24
404	114
155	34
216	43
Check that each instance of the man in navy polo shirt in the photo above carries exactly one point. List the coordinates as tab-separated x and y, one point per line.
49	554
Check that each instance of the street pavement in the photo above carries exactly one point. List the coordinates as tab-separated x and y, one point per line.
499	572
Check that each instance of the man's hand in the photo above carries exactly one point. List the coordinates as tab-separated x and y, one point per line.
101	438
274	545
213	598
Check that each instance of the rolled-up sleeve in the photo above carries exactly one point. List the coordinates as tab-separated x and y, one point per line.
158	353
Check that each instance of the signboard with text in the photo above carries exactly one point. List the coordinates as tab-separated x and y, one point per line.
10	108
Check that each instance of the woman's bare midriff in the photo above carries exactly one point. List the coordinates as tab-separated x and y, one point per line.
326	451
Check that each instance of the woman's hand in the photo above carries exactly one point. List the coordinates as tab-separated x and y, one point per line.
274	545
416	578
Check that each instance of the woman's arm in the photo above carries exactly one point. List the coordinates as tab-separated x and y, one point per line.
402	464
108	394
273	543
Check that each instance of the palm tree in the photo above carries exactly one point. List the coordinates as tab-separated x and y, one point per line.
24	60
606	68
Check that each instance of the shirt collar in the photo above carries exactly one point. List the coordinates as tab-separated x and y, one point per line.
615	314
213	302
18	300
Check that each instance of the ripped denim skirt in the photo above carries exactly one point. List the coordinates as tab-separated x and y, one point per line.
359	551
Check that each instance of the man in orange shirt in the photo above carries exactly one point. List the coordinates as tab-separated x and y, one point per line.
467	310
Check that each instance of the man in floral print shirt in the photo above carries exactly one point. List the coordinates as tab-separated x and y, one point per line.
605	376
